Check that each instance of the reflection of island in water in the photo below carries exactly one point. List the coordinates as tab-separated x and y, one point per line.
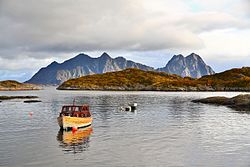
74	142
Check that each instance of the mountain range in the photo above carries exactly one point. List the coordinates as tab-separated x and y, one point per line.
82	65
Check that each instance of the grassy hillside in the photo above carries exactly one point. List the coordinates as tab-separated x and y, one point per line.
14	85
234	79
129	79
135	79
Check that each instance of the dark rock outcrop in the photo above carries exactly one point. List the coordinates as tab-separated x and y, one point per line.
240	102
190	66
17	97
32	101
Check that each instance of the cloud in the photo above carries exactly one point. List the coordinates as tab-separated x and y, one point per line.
209	21
247	2
89	25
40	31
23	63
66	26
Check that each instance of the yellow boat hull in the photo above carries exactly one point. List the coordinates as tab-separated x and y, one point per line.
67	122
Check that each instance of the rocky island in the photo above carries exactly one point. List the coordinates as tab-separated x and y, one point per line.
240	102
138	80
10	85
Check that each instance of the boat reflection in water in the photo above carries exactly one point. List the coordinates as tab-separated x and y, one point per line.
74	141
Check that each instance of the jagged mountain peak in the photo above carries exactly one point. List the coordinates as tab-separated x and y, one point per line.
195	57
81	56
120	58
178	56
105	55
78	58
54	63
190	66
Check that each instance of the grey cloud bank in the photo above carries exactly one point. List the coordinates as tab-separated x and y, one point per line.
39	31
66	26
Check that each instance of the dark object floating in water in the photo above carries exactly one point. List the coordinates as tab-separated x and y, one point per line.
129	107
17	97
32	101
239	103
0	101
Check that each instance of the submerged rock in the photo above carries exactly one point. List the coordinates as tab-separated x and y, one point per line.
17	97
32	101
239	103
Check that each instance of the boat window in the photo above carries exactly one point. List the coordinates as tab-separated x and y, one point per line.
77	108
65	109
85	108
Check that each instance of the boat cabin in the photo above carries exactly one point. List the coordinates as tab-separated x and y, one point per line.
75	111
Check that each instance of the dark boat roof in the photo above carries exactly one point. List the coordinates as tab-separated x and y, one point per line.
76	105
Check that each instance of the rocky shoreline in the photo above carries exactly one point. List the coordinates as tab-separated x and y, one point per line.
239	103
17	97
18	89
32	101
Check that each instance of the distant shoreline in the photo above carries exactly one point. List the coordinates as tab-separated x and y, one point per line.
10	85
119	90
14	89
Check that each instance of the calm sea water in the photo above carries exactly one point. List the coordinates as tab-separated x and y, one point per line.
166	130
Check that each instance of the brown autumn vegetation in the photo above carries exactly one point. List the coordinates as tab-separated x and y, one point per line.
14	85
135	79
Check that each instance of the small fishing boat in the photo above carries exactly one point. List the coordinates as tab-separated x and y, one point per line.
74	116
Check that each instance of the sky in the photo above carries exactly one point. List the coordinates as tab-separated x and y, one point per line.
35	33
